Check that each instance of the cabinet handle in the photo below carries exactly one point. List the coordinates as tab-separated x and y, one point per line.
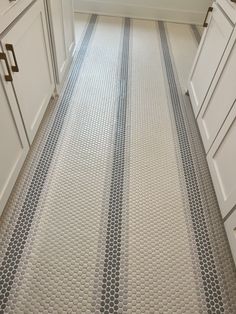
8	77
210	9
10	48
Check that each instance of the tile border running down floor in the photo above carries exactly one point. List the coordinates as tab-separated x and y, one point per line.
114	221
109	287
213	293
19	236
112	255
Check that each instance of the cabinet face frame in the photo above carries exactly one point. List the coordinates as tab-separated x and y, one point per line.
226	201
61	37
68	9
217	12
207	140
17	121
60	67
13	36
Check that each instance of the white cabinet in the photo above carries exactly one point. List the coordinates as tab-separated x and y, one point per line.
230	227
13	141
27	47
222	163
220	98
212	47
63	35
26	86
212	91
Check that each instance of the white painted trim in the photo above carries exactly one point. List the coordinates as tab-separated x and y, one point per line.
137	11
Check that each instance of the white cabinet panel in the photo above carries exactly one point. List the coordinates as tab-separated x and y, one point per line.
221	160
9	10
59	41
230	227
13	141
229	8
5	6
220	99
210	52
33	83
63	36
68	12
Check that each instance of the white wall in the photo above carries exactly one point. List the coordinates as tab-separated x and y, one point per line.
188	11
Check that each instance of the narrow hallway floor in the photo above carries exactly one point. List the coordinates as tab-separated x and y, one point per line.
114	211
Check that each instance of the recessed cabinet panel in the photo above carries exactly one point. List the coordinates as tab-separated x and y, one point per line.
209	55
59	37
219	102
62	24
68	12
221	159
33	82
13	142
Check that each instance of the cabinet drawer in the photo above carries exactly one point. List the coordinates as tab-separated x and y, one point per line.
230	227
220	99
221	160
209	55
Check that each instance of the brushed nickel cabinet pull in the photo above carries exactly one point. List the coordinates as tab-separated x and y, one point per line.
10	48
8	77
210	9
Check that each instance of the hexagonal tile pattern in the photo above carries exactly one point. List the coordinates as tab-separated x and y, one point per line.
114	210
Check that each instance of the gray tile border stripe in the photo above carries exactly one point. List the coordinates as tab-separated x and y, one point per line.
196	33
210	277
112	259
21	231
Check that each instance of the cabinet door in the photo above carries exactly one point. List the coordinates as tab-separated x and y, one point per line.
220	98
33	80
13	141
221	160
62	24
211	50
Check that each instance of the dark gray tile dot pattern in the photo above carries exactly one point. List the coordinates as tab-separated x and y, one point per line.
21	231
112	261
210	277
113	216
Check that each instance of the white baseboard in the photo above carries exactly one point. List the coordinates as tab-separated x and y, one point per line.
137	11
